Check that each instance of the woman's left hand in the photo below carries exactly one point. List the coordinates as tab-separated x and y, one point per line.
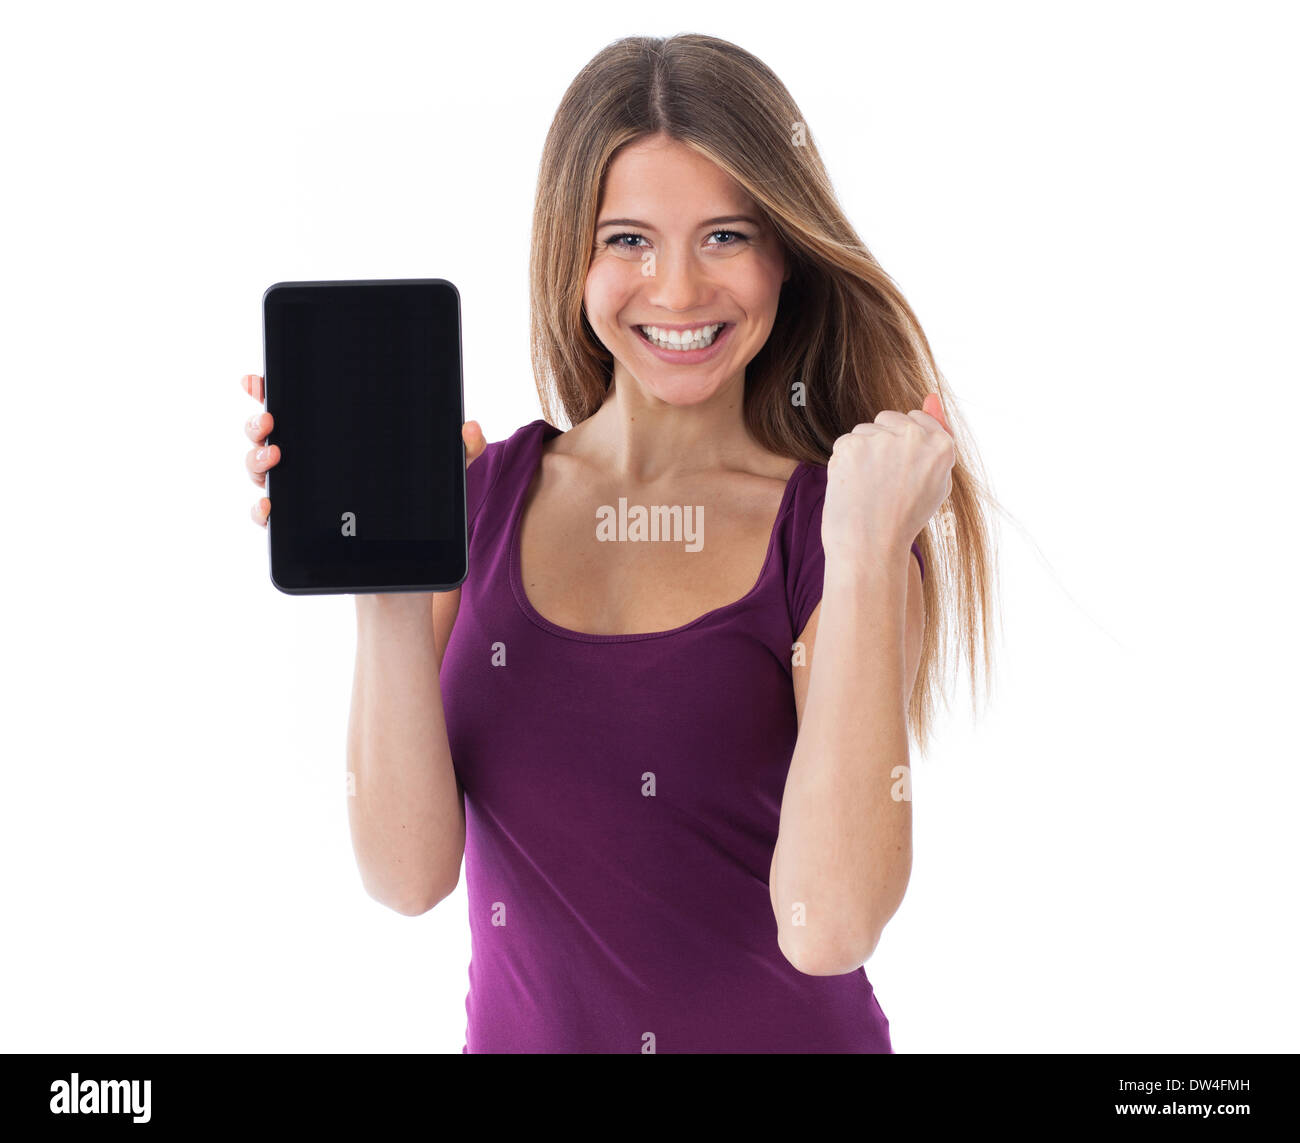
884	482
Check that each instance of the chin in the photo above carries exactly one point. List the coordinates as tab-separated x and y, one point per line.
682	395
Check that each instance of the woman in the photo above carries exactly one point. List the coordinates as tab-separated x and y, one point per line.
665	719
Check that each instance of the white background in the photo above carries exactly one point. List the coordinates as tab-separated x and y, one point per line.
1092	207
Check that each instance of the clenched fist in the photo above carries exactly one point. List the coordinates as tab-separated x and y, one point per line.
883	483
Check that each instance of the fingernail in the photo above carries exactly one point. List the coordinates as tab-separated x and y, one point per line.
262	453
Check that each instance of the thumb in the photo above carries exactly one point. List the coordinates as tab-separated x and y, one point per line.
471	433
934	407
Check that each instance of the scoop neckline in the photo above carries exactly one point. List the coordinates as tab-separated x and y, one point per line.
545	432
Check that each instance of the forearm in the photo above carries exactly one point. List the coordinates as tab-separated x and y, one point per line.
844	851
404	809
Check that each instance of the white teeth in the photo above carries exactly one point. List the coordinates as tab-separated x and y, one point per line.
676	339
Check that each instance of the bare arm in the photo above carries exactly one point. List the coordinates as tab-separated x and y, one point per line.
405	807
844	849
843	853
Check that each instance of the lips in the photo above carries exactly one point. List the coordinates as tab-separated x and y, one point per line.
686	341
680	357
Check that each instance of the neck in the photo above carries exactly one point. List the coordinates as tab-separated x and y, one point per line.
640	438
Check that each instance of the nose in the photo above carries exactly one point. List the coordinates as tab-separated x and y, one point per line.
677	284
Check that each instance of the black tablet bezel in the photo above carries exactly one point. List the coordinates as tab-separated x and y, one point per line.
412	566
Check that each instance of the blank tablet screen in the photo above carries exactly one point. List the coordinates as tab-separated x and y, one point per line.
364	382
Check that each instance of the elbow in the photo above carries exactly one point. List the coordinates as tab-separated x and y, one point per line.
411	908
827	954
418	904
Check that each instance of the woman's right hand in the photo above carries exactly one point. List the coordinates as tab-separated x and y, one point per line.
265	456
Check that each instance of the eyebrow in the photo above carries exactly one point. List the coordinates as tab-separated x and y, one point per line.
707	222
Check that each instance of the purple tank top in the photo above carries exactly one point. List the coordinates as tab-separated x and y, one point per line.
622	796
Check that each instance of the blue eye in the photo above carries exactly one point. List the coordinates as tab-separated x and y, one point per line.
616	239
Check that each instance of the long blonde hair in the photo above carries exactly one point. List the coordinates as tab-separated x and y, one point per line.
844	337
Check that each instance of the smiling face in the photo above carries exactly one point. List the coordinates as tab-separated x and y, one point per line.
680	246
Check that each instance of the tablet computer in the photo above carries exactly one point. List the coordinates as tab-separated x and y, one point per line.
363	379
